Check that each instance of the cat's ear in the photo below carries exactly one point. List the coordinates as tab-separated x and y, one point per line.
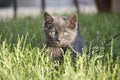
73	21
48	17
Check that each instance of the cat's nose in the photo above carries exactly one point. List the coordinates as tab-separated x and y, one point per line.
58	41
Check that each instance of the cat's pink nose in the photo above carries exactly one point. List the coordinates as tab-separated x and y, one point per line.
59	39
58	43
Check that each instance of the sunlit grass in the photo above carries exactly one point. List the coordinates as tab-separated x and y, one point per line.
23	55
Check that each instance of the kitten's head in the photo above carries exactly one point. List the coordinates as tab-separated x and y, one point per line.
59	31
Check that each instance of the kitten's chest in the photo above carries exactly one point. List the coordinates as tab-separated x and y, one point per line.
56	52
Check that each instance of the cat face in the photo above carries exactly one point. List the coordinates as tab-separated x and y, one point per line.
59	31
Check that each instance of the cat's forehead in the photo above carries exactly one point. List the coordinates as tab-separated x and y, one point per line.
61	17
60	21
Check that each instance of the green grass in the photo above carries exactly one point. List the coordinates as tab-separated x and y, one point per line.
23	57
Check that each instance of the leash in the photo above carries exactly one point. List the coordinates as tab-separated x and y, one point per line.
112	38
98	50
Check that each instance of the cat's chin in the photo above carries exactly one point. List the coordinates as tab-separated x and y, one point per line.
62	45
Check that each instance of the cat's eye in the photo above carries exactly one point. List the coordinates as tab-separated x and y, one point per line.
65	33
52	32
49	25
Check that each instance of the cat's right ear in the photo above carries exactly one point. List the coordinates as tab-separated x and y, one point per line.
73	21
48	17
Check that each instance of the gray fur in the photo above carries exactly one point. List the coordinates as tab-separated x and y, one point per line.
78	43
61	32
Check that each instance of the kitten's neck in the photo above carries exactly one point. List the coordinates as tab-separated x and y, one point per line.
78	43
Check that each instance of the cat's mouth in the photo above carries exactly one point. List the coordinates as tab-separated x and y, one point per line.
57	44
61	45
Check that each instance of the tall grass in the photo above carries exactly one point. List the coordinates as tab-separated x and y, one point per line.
24	57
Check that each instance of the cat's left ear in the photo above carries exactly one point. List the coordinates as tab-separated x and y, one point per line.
48	17
73	21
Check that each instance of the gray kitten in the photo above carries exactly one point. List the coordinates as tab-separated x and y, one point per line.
62	33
